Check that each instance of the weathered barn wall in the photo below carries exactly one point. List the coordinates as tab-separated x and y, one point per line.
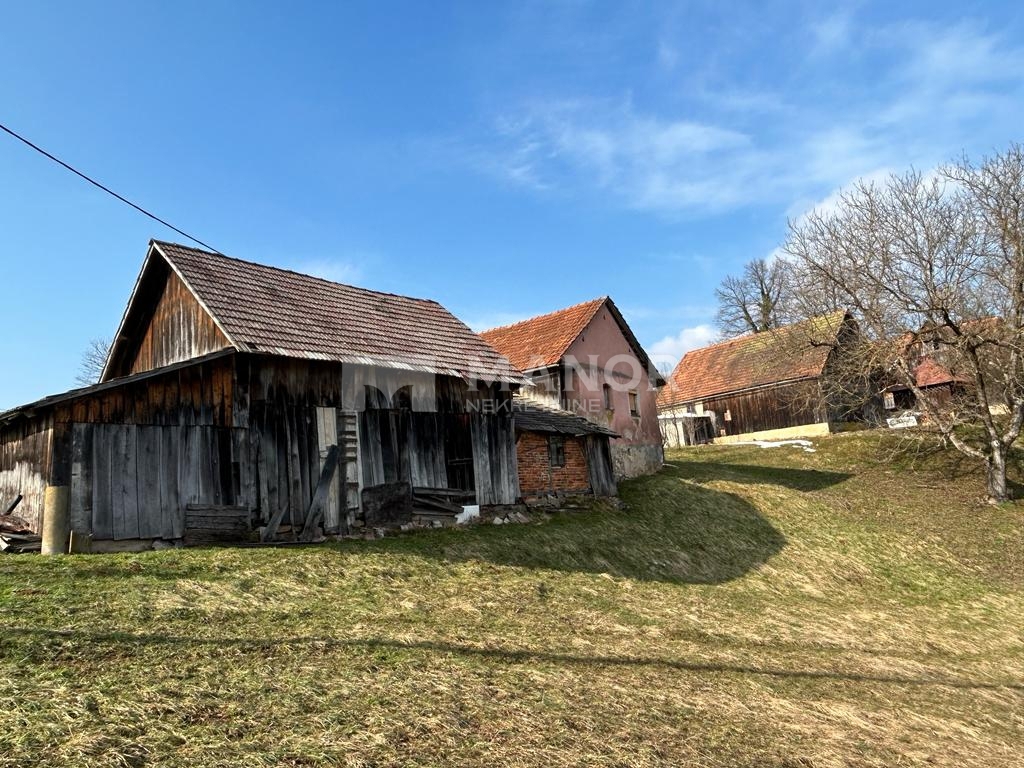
135	454
132	481
250	435
465	441
180	329
494	458
24	466
430	431
199	394
144	451
776	407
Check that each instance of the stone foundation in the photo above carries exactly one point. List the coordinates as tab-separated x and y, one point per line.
635	460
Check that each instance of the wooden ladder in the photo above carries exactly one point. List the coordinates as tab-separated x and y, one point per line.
348	442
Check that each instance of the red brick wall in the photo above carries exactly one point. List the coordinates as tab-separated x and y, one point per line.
537	477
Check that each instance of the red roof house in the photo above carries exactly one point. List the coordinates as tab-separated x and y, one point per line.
586	360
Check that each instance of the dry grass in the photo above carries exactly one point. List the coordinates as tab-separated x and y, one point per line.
749	608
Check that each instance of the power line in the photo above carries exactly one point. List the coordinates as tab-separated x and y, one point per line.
109	191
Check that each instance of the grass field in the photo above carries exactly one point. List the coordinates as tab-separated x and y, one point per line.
748	607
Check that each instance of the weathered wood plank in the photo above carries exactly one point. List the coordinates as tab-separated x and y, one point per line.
270	531
80	504
125	483
9	509
150	459
102	487
295	470
323	487
172	520
327	436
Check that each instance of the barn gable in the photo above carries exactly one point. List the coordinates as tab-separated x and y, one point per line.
164	323
222	301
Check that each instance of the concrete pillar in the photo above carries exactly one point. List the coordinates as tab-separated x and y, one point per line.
56	520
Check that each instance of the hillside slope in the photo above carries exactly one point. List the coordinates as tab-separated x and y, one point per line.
748	607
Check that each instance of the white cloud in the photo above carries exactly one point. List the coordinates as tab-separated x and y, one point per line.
828	204
668	351
643	157
831	34
962	53
668	55
935	89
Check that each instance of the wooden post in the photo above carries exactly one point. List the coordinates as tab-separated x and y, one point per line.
56	520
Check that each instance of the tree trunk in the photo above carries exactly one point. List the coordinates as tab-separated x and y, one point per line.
995	464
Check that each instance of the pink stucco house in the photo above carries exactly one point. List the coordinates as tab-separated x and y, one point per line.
585	359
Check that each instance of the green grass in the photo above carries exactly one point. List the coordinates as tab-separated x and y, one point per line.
748	607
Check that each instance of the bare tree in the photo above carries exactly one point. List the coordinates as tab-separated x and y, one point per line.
90	368
752	302
933	268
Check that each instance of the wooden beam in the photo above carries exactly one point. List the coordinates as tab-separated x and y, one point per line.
323	489
13	505
271	530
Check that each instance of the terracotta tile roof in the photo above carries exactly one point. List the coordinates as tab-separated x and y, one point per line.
930	372
276	311
541	341
534	416
751	361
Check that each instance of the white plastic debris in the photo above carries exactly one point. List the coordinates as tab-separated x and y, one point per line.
470	512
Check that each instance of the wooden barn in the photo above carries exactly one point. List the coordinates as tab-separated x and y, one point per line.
760	386
241	400
561	454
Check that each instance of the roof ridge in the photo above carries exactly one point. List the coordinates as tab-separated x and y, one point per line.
294	272
742	364
596	301
768	332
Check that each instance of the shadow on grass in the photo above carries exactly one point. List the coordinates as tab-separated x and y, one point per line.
670	531
133	642
794	479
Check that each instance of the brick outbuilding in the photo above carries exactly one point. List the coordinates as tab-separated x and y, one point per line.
559	453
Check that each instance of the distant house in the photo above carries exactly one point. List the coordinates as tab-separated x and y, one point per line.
238	398
586	360
559	453
940	371
763	385
932	378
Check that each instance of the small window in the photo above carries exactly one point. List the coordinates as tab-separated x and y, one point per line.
634	404
556	451
607	391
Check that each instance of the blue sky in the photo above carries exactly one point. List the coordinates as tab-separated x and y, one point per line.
505	159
